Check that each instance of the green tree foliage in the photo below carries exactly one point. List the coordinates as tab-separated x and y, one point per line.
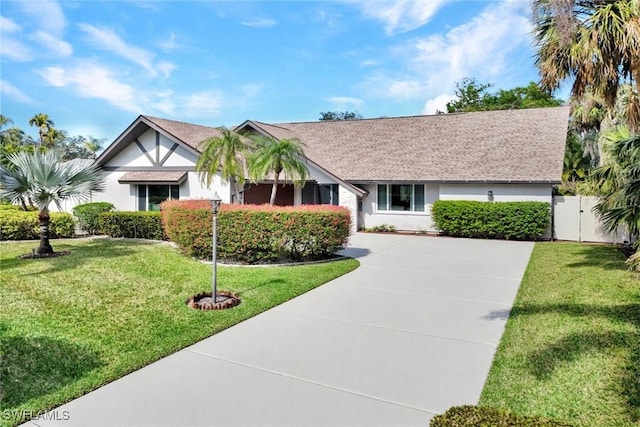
44	125
596	43
273	157
42	177
577	166
225	154
339	115
471	95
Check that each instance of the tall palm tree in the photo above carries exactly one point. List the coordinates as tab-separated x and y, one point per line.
617	181
597	42
44	179
225	154
43	123
278	156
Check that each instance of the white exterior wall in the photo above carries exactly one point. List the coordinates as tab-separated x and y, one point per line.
421	221
575	220
350	201
401	220
501	192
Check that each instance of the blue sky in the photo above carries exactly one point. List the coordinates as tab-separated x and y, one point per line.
94	66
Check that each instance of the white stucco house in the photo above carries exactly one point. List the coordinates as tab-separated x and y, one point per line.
386	170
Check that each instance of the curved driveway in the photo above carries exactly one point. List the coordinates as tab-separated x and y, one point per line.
407	335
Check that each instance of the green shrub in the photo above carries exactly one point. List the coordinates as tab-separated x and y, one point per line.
21	225
474	416
502	220
138	225
257	234
5	207
88	215
382	228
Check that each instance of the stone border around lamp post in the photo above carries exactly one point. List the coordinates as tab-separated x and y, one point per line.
214	300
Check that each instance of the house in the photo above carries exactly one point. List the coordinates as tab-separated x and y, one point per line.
386	170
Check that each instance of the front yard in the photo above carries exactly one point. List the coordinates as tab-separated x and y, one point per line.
73	323
571	349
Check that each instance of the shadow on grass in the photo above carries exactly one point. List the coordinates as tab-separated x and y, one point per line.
31	367
243	292
88	250
600	256
545	360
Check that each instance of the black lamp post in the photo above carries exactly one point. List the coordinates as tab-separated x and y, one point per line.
215	207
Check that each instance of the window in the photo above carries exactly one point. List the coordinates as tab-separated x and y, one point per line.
401	197
150	196
320	194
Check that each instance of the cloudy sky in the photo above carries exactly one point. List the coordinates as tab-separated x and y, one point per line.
94	66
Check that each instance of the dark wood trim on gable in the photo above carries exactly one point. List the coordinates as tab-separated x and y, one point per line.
158	148
145	152
171	151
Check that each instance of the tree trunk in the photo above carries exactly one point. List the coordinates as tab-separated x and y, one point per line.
274	189
45	247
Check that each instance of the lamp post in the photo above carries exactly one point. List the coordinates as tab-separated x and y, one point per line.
215	207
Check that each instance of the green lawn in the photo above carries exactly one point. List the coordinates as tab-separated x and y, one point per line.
571	349
71	324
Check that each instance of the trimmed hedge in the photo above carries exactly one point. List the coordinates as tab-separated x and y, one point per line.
501	220
88	215
21	225
473	416
257	234
137	225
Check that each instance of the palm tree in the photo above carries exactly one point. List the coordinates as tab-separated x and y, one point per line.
618	181
44	179
43	123
278	156
52	137
225	154
597	42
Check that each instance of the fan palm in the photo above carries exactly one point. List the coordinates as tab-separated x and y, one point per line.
618	181
44	125
42	178
597	42
225	154
275	157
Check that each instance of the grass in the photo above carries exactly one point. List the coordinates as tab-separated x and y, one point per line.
571	348
73	323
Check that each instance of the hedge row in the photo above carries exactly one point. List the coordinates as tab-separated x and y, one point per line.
251	233
137	225
88	215
16	224
503	220
473	416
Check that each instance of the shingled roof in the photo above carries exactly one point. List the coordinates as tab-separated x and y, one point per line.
493	146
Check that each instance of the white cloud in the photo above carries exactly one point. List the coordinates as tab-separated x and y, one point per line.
47	15
169	44
166	68
203	103
15	50
344	102
53	45
260	23
482	48
438	103
91	80
10	91
8	26
400	16
107	39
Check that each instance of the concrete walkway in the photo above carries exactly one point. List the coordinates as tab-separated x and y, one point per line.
407	335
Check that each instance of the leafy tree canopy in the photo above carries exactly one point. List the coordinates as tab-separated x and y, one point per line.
471	95
339	115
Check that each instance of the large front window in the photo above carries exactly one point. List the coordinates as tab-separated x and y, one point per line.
401	197
150	196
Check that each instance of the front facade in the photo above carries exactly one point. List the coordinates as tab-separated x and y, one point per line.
385	171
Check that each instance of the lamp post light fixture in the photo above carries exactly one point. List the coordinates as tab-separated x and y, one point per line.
215	207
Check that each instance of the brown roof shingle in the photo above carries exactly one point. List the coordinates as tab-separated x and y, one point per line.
494	146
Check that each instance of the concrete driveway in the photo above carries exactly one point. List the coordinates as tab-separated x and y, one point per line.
407	335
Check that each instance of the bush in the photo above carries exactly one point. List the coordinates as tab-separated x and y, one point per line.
5	207
137	225
472	416
502	220
21	225
383	228
88	215
253	234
